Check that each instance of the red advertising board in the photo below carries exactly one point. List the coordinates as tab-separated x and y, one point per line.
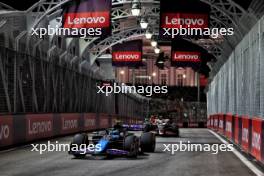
229	126
87	20
89	121
103	121
245	140
212	121
127	56
257	138
184	20
6	131
186	56
39	126
70	123
216	122
238	129
221	123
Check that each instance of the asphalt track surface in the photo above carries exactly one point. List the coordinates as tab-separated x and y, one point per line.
22	162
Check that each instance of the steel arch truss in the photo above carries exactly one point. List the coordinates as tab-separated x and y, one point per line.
153	14
104	45
4	6
224	12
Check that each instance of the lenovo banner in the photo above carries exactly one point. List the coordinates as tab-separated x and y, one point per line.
70	123
222	123
246	133
181	56
88	17
216	122
238	129
229	126
89	121
6	131
185	54
104	121
212	121
257	143
39	126
182	14
184	20
127	54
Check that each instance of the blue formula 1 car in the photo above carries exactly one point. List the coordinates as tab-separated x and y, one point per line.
112	142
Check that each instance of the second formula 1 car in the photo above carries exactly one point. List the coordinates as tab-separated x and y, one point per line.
162	127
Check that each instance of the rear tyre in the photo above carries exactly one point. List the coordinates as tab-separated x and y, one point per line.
132	146
148	142
78	140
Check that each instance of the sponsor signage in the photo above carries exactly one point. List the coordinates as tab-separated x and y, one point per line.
39	126
184	20
246	133
127	54
216	122
89	121
93	15
238	129
69	123
229	126
182	14
212	121
185	54
104	121
221	128
6	131
181	56
257	138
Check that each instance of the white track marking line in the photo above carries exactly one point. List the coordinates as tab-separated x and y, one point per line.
251	166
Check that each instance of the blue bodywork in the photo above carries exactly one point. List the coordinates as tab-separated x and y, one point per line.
114	135
133	127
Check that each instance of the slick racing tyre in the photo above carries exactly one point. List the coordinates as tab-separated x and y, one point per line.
78	140
148	142
131	145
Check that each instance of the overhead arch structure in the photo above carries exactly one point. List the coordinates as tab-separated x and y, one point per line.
4	6
224	13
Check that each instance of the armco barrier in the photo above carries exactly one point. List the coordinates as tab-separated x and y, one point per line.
257	139
247	133
18	129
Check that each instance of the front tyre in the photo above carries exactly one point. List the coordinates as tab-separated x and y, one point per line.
148	142
78	140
